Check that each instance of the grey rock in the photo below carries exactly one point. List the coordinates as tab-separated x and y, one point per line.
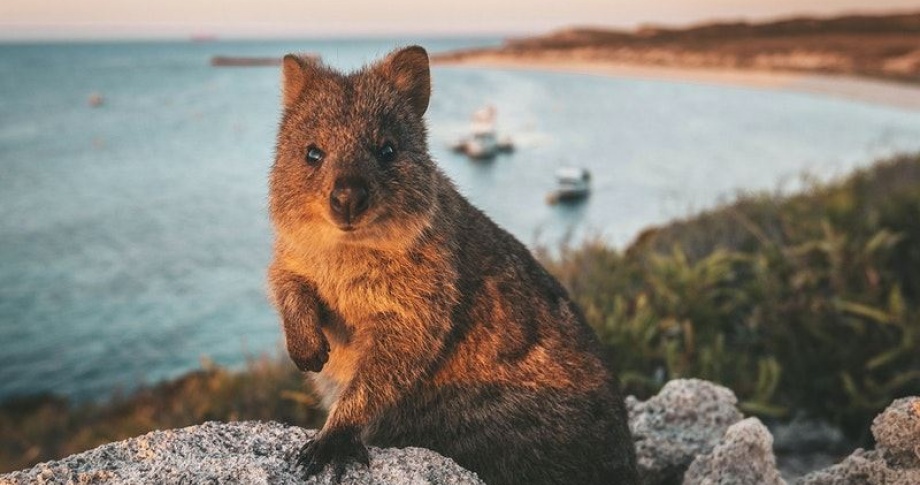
242	452
805	444
794	466
897	432
743	457
804	435
862	468
896	459
691	426
687	418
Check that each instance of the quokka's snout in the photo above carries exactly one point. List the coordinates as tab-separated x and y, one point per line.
349	200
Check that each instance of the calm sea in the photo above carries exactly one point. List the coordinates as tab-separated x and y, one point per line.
134	236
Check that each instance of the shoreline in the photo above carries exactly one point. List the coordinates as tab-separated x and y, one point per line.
860	89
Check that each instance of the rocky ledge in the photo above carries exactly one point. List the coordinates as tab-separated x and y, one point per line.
690	433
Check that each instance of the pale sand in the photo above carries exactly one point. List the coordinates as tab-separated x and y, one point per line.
887	93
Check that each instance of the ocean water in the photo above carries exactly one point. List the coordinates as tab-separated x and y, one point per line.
134	236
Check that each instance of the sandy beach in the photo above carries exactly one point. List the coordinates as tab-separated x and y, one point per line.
889	93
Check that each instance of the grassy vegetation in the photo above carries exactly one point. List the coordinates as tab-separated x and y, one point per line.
810	302
45	427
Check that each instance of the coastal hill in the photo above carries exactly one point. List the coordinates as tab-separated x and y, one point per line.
884	46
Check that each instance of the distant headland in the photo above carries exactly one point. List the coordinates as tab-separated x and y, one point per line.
870	58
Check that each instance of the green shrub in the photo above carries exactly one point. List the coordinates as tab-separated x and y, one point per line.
809	303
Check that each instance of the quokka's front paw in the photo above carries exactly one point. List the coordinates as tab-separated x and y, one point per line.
308	350
310	359
336	448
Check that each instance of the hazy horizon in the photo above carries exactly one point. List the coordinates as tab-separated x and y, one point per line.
238	19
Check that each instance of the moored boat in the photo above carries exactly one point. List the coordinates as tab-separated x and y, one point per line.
483	142
572	184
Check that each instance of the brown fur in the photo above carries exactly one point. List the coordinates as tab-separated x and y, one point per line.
426	323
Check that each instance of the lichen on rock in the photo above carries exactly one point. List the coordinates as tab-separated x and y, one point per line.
686	419
242	452
745	455
894	461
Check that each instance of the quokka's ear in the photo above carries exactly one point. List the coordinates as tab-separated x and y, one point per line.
408	69
296	73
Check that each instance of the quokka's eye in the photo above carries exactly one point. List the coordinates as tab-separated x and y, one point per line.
314	155
386	153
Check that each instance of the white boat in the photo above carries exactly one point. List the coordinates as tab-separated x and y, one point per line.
483	143
481	146
572	184
505	144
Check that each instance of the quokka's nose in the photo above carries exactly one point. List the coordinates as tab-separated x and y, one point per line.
349	198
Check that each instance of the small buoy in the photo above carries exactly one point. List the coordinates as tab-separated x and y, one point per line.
95	100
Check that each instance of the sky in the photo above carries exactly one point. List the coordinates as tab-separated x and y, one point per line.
64	19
